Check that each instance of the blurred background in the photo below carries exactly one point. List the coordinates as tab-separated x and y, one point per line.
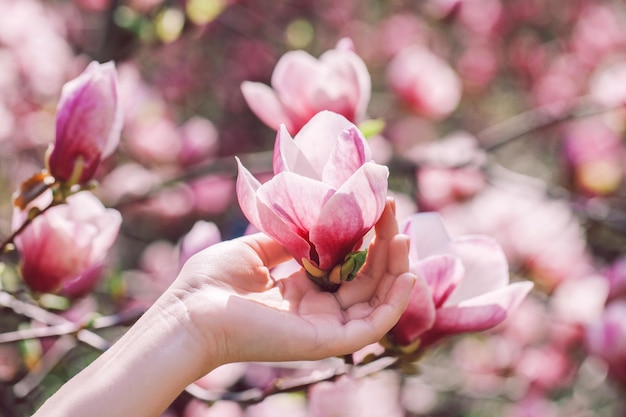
505	116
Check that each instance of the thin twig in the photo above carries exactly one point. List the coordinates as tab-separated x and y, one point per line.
256	162
535	119
285	385
44	316
123	318
10	239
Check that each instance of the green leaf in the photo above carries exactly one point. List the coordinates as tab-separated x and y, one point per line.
371	127
353	262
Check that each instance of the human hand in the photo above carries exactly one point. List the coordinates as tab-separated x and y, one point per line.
240	312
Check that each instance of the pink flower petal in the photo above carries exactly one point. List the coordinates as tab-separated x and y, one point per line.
88	122
318	137
350	213
295	199
265	218
486	267
508	297
292	74
264	103
288	156
482	312
442	273
348	155
418	317
355	78
453	320
247	187
428	235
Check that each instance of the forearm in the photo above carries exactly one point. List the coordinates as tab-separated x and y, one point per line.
141	374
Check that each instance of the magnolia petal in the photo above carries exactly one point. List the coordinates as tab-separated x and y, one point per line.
87	123
115	132
265	218
246	188
486	267
454	320
428	235
265	104
418	317
293	72
288	157
297	200
352	67
442	273
354	208
482	312
274	226
318	138
508	297
348	155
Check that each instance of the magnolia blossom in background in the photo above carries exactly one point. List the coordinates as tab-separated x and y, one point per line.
202	235
372	396
303	86
326	194
425	82
88	124
449	170
66	241
594	152
607	86
467	280
539	234
606	339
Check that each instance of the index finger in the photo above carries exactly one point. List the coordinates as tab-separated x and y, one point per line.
269	251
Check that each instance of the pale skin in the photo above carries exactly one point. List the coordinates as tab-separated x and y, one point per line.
225	306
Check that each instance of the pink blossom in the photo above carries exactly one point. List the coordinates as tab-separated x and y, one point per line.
302	86
199	140
425	81
66	241
536	233
372	396
596	156
202	235
468	281
326	194
88	124
606	338
616	276
592	46
607	83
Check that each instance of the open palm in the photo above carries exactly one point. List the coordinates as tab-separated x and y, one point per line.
253	316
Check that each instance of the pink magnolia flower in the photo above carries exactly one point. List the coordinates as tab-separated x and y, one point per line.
606	338
202	235
596	156
374	395
302	86
468	280
66	241
425	82
88	124
326	194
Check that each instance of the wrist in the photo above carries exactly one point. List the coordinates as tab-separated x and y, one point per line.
194	331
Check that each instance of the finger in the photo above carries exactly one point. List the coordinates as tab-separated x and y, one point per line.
387	225
398	255
364	331
386	228
365	288
269	251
